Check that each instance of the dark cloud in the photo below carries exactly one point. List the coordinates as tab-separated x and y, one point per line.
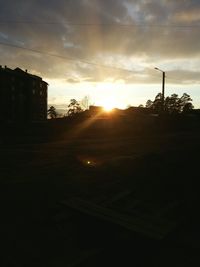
180	76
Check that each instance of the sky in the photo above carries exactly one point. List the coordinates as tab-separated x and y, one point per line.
104	49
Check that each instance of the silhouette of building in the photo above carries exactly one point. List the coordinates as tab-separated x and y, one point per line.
23	96
95	110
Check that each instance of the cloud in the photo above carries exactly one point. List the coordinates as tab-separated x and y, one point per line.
100	42
183	76
72	80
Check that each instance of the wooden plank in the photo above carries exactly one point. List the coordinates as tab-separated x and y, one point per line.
153	227
119	196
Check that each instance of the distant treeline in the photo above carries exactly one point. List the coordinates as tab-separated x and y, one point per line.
81	126
171	104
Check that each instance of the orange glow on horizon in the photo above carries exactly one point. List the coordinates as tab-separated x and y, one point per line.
108	109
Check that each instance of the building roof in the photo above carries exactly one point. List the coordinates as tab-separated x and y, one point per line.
18	71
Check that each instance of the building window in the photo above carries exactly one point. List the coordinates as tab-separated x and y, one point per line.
33	91
41	92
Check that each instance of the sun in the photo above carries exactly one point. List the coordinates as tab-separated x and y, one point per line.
108	104
108	107
108	96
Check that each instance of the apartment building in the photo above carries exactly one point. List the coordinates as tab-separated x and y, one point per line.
23	96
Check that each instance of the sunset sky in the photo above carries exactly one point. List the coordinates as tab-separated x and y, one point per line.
105	49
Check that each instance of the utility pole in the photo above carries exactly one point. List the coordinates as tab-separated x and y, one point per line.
163	87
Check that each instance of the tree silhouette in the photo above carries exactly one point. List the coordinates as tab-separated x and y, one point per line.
52	112
187	107
74	108
172	104
156	105
186	104
149	104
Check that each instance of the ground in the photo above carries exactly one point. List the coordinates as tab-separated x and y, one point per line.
151	176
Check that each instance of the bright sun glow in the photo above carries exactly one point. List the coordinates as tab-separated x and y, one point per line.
108	103
108	96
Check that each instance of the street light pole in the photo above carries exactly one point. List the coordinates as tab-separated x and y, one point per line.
163	87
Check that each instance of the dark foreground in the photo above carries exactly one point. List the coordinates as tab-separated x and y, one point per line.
101	197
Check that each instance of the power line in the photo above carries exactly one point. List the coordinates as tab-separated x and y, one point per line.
65	57
76	59
143	25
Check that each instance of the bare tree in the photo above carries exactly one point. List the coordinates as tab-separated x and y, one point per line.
85	102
